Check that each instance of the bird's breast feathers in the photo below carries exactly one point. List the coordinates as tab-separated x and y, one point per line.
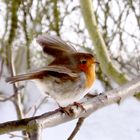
64	92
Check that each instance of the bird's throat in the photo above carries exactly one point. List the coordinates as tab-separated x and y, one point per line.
90	75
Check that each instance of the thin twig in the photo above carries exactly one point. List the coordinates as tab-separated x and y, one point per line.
4	99
14	135
1	67
38	106
77	128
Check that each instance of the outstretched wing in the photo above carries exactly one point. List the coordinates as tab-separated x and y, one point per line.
36	74
54	46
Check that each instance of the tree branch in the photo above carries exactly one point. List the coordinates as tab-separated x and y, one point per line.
34	130
56	117
100	47
77	128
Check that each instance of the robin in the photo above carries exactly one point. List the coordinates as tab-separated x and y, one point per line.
68	78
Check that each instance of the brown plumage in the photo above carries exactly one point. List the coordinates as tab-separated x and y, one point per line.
68	78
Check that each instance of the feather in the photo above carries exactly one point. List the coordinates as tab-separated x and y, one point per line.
36	74
54	46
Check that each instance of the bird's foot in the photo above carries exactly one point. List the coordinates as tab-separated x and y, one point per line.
79	105
67	110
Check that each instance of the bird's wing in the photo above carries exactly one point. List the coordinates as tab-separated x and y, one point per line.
54	46
60	69
36	74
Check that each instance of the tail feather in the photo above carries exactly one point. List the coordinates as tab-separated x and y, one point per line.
21	77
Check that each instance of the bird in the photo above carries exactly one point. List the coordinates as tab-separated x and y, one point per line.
68	78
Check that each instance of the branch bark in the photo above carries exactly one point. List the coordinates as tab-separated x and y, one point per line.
77	128
34	130
56	117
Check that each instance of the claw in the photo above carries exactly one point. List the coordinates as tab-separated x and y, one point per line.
67	110
79	105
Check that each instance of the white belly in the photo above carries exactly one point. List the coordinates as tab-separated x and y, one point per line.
65	93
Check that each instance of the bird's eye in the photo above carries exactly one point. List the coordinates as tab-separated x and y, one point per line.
83	61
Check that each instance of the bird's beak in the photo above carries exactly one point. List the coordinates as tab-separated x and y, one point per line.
96	62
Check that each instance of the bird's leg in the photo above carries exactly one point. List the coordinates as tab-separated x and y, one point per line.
67	110
79	105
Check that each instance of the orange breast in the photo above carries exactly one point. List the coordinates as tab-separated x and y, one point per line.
89	70
90	74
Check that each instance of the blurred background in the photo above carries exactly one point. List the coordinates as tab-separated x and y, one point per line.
21	21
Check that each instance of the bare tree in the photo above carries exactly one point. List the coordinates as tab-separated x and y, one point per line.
105	25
